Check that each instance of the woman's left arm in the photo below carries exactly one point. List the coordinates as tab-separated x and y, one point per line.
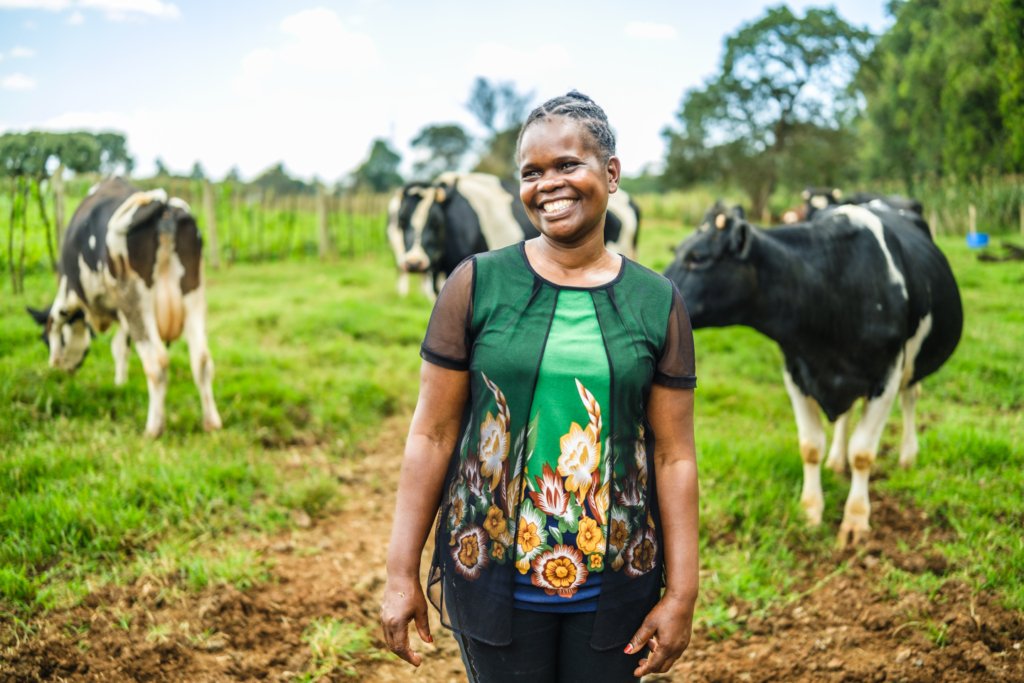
667	627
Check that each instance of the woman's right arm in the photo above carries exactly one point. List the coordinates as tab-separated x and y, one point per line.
433	435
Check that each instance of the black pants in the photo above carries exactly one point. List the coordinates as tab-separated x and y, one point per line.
547	648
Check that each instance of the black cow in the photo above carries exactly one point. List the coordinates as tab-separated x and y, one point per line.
433	227
862	305
134	258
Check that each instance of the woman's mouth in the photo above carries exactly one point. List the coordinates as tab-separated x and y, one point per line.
556	207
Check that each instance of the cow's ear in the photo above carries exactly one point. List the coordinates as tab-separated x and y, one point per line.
739	239
39	316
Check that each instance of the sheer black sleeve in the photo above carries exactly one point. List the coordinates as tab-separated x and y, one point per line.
676	367
447	340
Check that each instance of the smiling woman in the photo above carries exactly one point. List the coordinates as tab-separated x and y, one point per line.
566	539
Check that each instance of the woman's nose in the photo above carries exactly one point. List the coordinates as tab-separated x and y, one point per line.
550	182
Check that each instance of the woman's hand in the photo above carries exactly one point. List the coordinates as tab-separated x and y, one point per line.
404	602
666	632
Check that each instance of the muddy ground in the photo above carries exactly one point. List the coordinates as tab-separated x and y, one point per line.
843	626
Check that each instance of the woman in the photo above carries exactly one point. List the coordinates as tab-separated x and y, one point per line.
554	434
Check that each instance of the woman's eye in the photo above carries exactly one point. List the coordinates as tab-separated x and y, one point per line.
569	165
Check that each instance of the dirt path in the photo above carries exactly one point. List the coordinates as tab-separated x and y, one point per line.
844	627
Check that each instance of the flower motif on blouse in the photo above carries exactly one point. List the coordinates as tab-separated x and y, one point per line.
531	537
618	534
457	511
495	524
494	437
551	498
470	552
641	553
581	448
599	499
590	537
559	571
640	458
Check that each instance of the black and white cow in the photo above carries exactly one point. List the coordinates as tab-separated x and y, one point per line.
862	305
821	198
433	227
134	258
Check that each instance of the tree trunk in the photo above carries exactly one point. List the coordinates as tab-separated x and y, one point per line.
10	235
209	208
25	185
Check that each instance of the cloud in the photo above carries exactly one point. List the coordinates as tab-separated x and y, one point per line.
20	52
17	82
317	45
649	30
115	10
76	18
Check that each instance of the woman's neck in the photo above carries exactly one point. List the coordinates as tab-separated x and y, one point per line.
587	264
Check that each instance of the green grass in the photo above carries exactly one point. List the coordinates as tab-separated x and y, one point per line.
334	648
311	357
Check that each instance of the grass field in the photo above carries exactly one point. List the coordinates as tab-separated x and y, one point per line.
311	356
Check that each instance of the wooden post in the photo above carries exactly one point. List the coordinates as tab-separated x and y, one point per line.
972	219
933	222
58	205
321	219
212	251
1021	211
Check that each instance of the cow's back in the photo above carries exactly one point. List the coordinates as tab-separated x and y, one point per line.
85	238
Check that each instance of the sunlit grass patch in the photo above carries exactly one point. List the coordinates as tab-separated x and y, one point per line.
334	647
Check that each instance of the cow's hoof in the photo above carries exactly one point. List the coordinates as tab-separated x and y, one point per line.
812	510
153	432
852	533
212	424
836	463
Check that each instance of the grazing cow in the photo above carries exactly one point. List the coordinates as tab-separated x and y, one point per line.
818	199
862	305
460	214
397	243
134	258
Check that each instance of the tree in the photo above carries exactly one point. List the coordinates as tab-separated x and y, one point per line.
161	168
501	110
276	180
197	172
782	77
379	173
446	145
944	90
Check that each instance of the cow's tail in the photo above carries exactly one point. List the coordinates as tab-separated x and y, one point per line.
168	302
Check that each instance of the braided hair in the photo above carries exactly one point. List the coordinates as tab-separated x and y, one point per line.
575	105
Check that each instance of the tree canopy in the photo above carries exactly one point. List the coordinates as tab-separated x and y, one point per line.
945	90
501	110
37	154
782	85
446	145
379	173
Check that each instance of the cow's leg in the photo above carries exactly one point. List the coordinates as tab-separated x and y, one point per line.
137	311
402	284
908	447
812	447
837	453
429	284
199	355
119	349
863	449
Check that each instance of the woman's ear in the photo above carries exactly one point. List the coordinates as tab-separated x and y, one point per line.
614	170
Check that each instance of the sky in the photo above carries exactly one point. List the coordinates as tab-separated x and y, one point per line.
313	83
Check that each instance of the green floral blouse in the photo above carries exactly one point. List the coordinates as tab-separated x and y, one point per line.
505	509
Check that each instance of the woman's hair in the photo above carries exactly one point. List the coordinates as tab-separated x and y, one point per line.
576	105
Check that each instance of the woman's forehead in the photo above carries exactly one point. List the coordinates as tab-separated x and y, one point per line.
554	135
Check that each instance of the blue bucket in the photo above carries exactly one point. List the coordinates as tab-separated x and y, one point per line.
977	240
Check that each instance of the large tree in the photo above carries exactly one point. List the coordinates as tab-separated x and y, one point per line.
445	144
379	173
501	110
783	84
945	90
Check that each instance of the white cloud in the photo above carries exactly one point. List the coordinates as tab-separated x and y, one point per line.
76	18
649	30
51	5
119	10
17	82
20	52
317	45
115	10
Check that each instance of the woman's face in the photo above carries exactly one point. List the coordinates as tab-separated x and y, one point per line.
563	183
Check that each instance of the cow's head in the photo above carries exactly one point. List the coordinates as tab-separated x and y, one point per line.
712	268
66	333
820	198
421	221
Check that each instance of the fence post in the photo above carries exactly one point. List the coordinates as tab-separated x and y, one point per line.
1021	211
321	218
211	225
58	206
972	219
